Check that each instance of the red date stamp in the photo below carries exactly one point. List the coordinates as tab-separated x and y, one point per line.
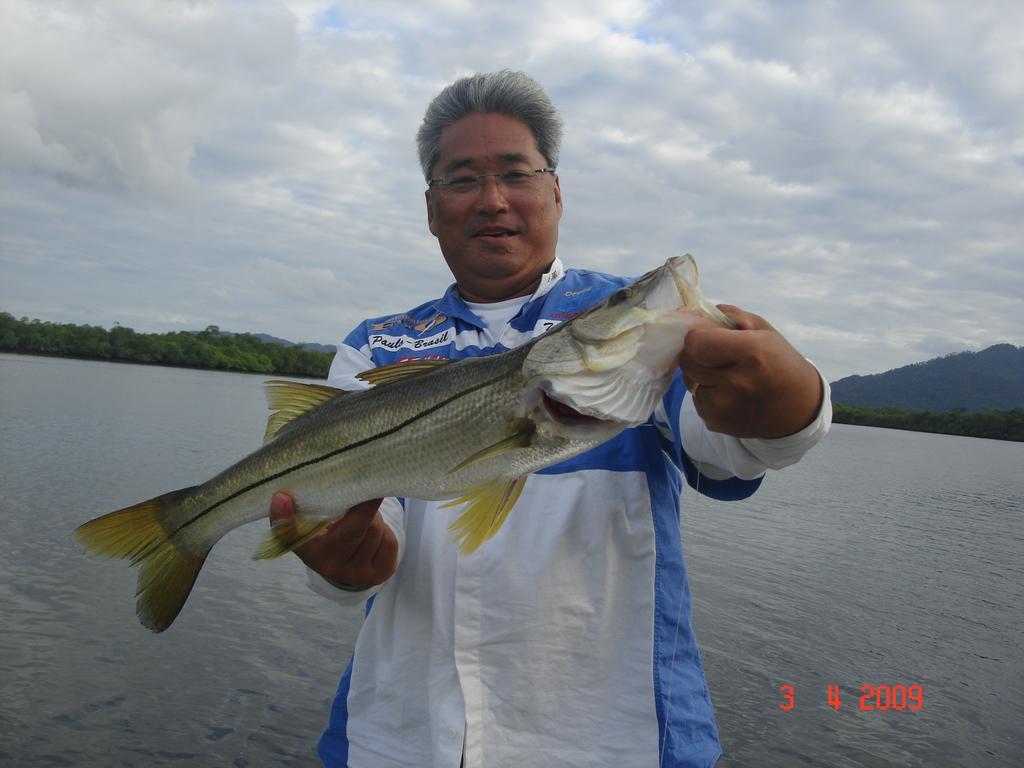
880	698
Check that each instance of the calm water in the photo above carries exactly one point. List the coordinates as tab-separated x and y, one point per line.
885	558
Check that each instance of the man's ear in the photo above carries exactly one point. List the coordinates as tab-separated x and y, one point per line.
430	212
558	196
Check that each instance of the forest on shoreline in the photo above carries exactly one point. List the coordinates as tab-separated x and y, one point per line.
209	348
996	425
245	353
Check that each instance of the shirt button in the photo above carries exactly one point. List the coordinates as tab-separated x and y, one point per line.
453	734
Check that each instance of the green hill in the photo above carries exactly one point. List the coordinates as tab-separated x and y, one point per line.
992	379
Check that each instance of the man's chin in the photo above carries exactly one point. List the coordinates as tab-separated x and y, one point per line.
499	248
494	261
486	275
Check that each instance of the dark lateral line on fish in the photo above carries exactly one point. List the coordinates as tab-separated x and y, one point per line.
326	456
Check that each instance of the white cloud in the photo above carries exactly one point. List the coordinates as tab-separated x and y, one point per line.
853	172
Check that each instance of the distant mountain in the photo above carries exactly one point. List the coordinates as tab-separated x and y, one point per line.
268	339
992	378
305	345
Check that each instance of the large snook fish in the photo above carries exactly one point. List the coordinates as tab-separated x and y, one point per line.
470	430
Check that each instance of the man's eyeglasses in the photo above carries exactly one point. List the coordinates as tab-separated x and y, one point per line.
511	180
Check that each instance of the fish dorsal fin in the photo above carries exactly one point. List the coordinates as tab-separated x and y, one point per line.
398	371
291	399
488	506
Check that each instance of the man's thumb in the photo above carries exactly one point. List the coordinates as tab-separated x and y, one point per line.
282	508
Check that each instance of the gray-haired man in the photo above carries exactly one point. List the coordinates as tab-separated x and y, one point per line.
565	640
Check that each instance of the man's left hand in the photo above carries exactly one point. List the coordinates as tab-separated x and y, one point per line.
749	382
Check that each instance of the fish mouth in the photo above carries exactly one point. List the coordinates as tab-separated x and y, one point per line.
566	414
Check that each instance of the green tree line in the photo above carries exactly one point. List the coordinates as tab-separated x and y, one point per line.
204	349
998	425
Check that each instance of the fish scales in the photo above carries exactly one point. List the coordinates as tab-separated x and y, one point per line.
470	430
354	447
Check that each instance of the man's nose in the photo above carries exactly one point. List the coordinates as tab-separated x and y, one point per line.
491	196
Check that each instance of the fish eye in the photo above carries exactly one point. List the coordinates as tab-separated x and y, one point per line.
621	295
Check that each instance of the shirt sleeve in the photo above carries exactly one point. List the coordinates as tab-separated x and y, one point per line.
347	363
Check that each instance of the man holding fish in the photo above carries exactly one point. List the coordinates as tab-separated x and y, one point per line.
565	639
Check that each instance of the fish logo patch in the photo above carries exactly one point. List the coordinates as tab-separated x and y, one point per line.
409	323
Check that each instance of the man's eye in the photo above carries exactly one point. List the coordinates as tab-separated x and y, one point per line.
462	183
515	177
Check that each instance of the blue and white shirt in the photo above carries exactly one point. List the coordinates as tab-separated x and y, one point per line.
566	639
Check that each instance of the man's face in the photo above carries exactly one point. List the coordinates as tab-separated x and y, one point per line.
497	241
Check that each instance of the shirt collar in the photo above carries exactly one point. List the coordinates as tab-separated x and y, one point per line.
453	305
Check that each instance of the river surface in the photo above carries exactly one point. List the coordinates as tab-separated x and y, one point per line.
886	559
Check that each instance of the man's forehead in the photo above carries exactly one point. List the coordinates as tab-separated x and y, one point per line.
502	160
487	138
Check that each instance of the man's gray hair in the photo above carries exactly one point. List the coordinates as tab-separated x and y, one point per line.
506	92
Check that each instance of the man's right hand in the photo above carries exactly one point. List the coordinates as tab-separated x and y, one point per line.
357	550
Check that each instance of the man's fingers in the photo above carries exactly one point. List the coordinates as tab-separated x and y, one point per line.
362	555
386	557
358	548
695	372
343	535
352	527
711	348
370	561
703	379
365	510
745	321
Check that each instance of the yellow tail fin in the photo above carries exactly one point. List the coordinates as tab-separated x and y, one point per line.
166	574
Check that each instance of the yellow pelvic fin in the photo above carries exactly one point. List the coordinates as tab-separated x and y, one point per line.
521	437
291	399
166	574
287	536
398	371
489	505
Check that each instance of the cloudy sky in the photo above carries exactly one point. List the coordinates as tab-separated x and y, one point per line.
854	172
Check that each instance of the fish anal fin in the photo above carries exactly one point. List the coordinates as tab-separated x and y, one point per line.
522	436
488	506
291	399
166	573
398	371
286	536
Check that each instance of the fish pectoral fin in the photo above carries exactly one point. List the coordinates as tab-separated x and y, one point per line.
489	505
398	371
521	437
291	399
285	537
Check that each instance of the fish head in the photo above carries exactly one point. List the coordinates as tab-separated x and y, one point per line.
608	367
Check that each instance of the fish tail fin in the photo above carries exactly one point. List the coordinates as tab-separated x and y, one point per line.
166	572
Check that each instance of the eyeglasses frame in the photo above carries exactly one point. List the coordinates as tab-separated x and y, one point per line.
443	181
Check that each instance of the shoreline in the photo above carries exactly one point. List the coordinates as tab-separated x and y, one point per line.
158	364
989	424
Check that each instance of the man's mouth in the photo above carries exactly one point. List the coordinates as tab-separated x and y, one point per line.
497	233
